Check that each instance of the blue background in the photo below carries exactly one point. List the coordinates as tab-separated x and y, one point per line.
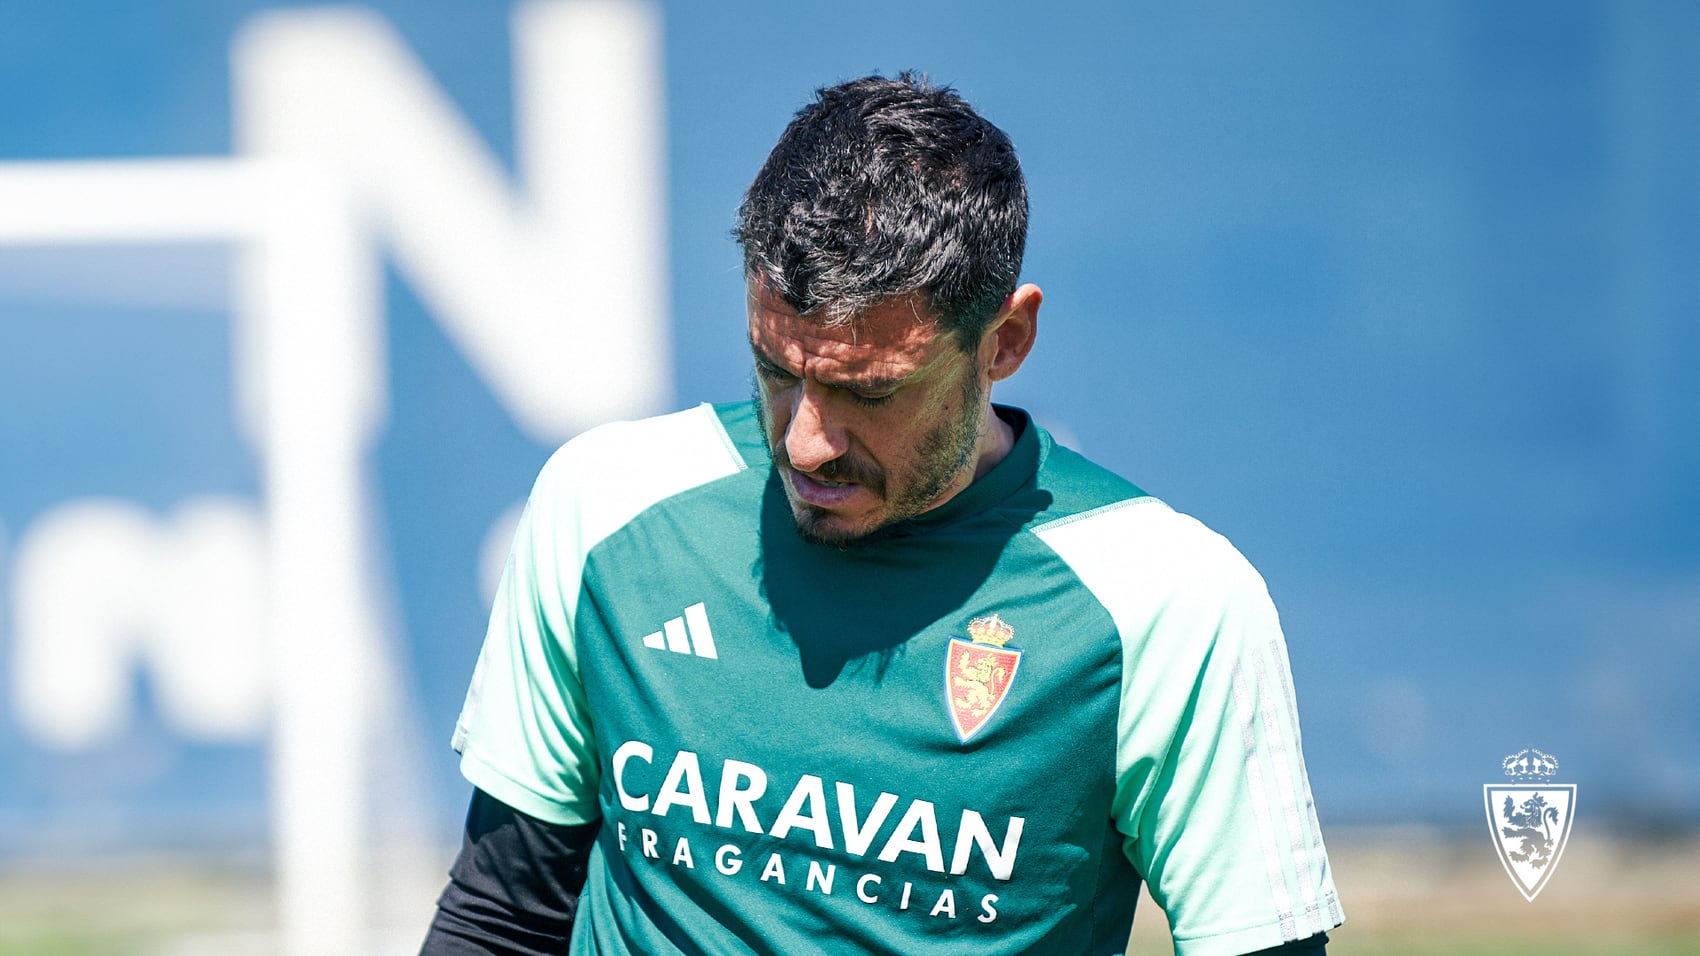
1402	298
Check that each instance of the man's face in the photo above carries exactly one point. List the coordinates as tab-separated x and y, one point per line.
869	423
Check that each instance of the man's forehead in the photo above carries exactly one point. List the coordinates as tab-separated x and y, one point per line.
902	321
893	340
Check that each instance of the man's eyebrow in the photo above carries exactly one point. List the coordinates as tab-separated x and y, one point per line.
762	358
866	385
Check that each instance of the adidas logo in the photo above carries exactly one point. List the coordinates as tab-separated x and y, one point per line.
685	635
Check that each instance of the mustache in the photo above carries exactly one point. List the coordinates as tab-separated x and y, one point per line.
841	469
849	469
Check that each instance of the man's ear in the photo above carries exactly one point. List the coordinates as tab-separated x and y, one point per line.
1012	332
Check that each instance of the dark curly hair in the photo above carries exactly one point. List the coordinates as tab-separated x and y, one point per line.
888	187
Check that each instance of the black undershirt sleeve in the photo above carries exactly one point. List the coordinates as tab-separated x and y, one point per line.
1309	946
513	891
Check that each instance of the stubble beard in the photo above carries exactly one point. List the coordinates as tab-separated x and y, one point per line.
945	451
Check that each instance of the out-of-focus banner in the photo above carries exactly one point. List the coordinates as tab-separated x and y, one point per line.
294	301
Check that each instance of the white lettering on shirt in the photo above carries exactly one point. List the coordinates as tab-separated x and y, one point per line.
820	877
742	784
920	814
683	787
857	838
628	750
945	905
808	791
742	800
728	859
973	831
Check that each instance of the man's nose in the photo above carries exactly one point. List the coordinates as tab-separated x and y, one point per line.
812	439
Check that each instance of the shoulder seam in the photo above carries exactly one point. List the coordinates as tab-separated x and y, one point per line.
725	438
1101	509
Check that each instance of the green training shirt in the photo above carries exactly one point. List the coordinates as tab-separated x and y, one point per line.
976	733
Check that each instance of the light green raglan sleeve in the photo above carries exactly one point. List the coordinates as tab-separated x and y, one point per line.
1211	789
526	735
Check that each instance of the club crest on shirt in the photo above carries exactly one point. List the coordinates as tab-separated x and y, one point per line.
978	674
1530	819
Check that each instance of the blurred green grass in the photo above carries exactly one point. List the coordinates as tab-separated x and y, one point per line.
28	942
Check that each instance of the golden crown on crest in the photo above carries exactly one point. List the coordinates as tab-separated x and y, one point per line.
991	630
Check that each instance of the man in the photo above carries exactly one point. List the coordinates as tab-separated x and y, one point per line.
870	664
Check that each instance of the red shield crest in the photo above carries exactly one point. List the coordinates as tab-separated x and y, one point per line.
976	681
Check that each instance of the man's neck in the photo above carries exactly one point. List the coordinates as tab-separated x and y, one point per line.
996	440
